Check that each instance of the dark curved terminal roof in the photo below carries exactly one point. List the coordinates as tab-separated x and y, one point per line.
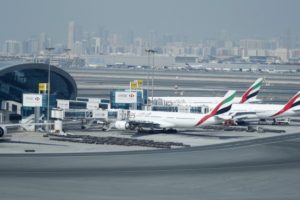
18	79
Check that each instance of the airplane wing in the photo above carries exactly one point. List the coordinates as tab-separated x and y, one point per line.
223	117
296	111
243	115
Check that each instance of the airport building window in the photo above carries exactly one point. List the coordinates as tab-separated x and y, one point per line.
82	99
196	110
75	115
104	106
77	105
105	101
112	115
165	108
14	108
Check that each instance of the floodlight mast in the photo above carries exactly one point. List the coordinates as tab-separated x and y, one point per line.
49	49
150	51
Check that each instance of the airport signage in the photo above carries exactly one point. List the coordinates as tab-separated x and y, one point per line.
126	97
63	104
92	105
32	100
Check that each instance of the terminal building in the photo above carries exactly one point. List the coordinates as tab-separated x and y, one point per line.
25	78
20	79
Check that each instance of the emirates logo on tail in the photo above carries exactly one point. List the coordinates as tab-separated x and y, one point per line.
252	91
223	107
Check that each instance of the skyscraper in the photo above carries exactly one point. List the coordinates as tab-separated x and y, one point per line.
30	46
71	34
12	47
42	42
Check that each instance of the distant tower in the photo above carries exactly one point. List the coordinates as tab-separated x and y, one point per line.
130	37
71	35
97	49
42	42
288	43
12	47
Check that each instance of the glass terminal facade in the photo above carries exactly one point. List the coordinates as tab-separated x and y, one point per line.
24	78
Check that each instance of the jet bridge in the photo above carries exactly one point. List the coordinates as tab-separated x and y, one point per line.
106	115
89	117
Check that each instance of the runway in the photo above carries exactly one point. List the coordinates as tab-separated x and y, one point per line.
260	169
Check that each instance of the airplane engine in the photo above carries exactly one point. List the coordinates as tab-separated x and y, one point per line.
3	131
122	125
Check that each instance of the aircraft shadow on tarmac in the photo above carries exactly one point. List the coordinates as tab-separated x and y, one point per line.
192	133
209	136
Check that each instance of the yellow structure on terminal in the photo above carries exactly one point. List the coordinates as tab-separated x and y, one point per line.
136	84
43	87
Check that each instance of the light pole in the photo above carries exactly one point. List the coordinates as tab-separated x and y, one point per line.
151	51
148	57
49	49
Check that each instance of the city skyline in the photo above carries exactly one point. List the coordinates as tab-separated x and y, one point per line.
195	20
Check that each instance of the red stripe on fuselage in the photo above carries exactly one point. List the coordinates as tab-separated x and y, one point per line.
287	106
212	113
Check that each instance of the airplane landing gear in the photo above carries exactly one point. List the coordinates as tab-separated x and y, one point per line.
171	130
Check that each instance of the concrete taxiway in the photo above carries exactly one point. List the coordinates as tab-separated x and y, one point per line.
95	140
261	169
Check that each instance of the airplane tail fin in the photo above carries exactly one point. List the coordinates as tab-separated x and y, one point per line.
222	107
225	105
294	101
252	91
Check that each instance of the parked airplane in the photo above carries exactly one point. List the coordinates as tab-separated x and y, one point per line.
139	120
243	112
249	96
194	67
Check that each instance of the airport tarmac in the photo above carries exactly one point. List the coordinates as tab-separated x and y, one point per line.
98	82
21	142
217	165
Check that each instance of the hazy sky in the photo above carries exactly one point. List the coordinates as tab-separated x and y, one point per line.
20	19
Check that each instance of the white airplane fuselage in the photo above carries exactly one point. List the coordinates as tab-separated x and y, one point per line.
171	119
199	100
261	110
